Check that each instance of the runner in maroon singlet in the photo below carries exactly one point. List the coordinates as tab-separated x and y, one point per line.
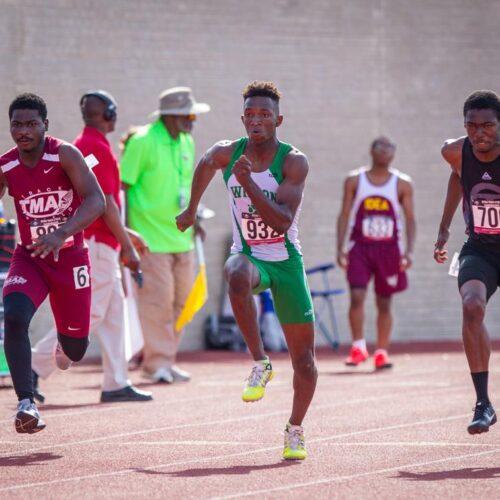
375	198
56	196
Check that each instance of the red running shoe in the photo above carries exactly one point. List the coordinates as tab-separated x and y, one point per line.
381	360
356	357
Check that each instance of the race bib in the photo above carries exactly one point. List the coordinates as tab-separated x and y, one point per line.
378	227
41	228
257	232
486	215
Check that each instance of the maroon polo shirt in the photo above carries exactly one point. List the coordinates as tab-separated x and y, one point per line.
93	142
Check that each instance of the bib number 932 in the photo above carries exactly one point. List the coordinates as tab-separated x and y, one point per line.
257	232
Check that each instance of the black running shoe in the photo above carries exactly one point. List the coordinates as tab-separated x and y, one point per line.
484	416
37	393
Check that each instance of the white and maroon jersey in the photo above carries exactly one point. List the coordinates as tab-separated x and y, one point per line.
375	216
44	196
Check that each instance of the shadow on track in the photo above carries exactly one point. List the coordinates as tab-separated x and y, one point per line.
30	459
221	471
466	473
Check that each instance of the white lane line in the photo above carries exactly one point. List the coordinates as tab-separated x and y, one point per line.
405	444
318	482
231	455
189	443
213	422
208	423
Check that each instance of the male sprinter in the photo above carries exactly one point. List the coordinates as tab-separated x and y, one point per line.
475	164
56	196
265	180
374	199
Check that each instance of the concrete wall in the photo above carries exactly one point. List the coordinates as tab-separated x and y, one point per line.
349	70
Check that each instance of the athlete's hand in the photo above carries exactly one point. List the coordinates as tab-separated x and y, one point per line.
139	242
185	219
44	245
440	254
405	262
242	170
130	258
343	260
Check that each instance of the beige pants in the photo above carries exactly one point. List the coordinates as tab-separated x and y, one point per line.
107	321
167	282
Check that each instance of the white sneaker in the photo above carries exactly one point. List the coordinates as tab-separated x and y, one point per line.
180	375
161	376
62	361
28	420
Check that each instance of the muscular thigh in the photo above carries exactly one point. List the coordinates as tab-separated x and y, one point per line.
26	276
473	266
70	292
247	267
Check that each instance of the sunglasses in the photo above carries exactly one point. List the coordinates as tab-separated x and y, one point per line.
191	117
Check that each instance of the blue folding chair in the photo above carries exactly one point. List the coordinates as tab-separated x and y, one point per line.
324	303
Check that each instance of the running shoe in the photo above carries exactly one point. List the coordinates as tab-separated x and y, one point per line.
295	448
356	356
255	386
28	420
62	361
484	416
381	360
160	376
180	375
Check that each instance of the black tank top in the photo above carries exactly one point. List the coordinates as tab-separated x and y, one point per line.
481	201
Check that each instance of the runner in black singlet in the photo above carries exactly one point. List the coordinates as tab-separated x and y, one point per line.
475	163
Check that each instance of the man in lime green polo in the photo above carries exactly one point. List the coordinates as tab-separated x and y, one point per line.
156	170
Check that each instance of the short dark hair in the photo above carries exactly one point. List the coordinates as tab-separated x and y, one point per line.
28	101
483	99
264	89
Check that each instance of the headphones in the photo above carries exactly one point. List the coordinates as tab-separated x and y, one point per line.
108	99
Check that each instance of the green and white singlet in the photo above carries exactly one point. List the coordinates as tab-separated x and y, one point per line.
277	257
251	235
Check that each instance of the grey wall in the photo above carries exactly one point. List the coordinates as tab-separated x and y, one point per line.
349	70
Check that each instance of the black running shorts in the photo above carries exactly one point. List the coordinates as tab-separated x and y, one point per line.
477	262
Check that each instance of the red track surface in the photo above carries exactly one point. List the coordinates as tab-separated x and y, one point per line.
398	434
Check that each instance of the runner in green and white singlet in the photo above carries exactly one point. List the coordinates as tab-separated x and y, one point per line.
265	180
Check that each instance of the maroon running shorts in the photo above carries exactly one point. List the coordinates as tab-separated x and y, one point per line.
379	260
67	282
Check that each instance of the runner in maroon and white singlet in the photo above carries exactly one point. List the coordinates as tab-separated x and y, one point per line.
56	196
373	199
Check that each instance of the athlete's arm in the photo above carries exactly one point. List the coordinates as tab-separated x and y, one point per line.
277	214
453	197
452	153
216	158
93	204
112	218
3	184
405	192
350	186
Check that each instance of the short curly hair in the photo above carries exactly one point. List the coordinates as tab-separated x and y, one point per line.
483	99
261	88
28	101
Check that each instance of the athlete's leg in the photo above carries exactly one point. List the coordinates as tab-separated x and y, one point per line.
357	312
300	340
474	333
384	321
70	299
18	313
242	277
477	281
